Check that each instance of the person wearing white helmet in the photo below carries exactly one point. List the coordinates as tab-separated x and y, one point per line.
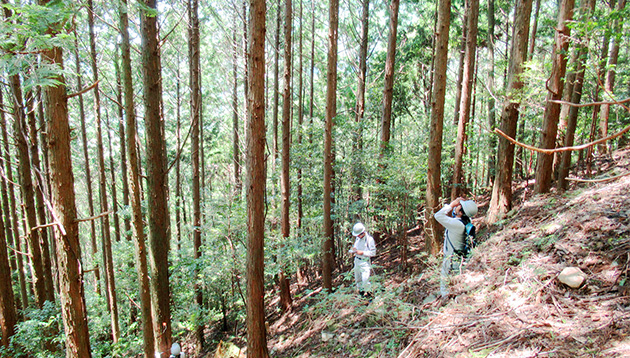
364	249
454	218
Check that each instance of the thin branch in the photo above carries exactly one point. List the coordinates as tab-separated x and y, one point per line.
588	104
43	226
96	217
561	149
598	180
83	90
19	252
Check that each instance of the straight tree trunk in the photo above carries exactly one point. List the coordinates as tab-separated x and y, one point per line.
468	79
88	171
179	205
195	109
112	170
285	291
300	211
135	190
331	113
10	212
276	85
236	151
108	260
492	140
357	145
555	84
432	229
157	181
8	314
462	54
123	151
532	38
312	76
388	91
576	97
256	178
609	84
68	254
501	201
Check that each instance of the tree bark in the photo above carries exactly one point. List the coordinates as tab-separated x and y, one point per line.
123	152
195	109
555	85
135	190
468	79
285	292
236	151
532	38
576	97
433	230
63	202
609	84
256	174
88	171
276	87
388	91
501	201
492	140
8	314
157	181
462	55
331	112
106	243
300	211
357	146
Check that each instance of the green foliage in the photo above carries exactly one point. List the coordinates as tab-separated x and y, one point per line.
40	335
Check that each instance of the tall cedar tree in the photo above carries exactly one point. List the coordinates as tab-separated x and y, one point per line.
71	294
157	180
501	201
576	97
357	145
300	210
236	150
555	85
8	314
468	80
388	90
492	140
285	292
106	247
331	112
256	178
195	111
140	252
432	229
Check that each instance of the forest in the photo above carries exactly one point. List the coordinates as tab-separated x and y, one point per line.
188	173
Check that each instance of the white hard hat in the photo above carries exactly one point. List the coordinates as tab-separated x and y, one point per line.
469	208
357	229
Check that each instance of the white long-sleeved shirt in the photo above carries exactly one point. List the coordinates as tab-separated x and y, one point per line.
365	244
455	230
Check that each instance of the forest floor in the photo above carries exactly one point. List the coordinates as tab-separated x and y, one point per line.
507	302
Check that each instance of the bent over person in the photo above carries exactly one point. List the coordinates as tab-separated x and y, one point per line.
454	218
363	249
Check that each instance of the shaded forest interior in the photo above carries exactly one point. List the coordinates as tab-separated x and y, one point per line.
188	173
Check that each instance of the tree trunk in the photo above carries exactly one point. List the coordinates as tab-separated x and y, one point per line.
468	79
300	211
285	292
112	171
8	314
276	87
331	112
501	201
10	212
462	55
123	152
532	38
357	146
195	109
576	97
388	91
492	140
179	205
555	85
256	178
157	181
64	208
609	84
88	171
236	151
135	190
108	260
432	229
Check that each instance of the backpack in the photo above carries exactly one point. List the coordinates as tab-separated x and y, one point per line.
470	241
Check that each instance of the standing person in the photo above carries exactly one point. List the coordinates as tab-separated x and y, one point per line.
454	218
363	249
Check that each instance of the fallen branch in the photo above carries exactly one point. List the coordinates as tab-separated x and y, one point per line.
598	180
43	226
83	90
96	217
561	149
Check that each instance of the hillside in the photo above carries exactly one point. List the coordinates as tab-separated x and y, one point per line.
508	301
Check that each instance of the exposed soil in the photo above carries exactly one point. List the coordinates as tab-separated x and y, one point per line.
507	302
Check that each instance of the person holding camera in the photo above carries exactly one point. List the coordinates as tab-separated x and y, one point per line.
453	217
364	249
